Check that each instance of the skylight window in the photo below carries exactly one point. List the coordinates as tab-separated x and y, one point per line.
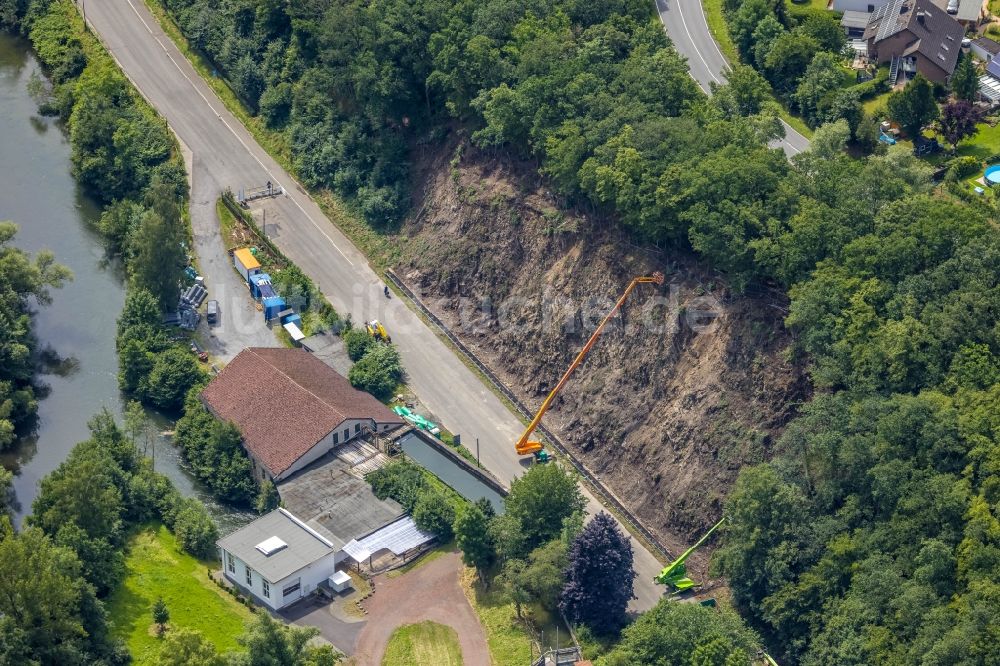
271	546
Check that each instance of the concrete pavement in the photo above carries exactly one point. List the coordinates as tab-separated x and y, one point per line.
226	155
685	23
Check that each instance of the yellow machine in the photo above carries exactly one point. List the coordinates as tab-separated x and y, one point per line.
377	330
526	447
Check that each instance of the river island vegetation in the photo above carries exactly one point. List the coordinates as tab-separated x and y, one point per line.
24	282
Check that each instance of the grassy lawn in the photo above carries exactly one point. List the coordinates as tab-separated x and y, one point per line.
157	567
983	145
424	644
508	639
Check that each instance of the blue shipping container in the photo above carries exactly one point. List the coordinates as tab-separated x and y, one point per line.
272	306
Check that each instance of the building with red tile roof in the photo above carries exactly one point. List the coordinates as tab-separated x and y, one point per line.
291	408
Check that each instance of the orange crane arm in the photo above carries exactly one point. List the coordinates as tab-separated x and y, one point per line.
523	445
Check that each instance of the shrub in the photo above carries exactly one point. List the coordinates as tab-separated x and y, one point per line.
195	529
401	480
358	342
378	371
434	513
173	374
963	167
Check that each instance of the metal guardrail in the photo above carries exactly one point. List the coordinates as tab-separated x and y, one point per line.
604	495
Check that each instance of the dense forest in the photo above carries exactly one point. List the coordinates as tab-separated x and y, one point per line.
873	537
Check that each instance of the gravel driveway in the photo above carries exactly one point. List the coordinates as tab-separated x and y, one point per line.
240	325
430	592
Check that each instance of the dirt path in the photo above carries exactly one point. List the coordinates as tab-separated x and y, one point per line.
430	592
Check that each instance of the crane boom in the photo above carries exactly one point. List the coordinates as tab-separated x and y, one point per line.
523	445
674	575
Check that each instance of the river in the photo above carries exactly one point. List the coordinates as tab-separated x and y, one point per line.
41	196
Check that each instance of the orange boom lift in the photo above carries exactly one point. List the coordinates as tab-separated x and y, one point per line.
524	446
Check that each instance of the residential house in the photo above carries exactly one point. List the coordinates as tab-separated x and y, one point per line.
291	408
914	36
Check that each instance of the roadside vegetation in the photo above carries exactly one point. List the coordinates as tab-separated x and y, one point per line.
424	644
872	536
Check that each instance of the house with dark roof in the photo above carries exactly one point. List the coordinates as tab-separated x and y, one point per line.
915	36
291	408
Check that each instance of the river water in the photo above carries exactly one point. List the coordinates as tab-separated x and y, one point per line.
39	193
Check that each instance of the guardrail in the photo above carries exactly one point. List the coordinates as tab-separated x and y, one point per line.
603	494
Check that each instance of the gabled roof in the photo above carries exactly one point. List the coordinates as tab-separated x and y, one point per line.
934	34
284	401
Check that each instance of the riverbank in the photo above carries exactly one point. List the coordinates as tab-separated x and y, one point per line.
78	328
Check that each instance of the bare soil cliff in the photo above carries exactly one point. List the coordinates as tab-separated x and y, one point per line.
690	384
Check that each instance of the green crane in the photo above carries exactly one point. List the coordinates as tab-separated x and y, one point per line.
674	576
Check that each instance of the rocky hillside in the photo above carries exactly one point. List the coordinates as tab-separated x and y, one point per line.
688	386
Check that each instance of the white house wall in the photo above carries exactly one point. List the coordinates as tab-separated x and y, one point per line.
325	445
309	577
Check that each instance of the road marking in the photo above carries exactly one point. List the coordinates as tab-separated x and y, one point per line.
235	134
680	13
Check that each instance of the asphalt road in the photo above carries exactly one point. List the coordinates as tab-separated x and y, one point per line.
687	28
225	154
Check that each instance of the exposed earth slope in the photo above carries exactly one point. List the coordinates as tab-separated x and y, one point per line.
667	409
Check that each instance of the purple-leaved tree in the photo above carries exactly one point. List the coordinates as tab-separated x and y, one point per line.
599	577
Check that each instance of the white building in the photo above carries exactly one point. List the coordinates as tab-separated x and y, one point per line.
278	558
291	408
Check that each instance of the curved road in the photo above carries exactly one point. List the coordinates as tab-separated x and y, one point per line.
224	154
685	23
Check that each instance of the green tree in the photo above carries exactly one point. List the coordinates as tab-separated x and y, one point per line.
434	513
49	613
268	641
512	584
914	106
541	499
544	575
195	529
822	76
175	371
965	80
788	58
160	258
378	371
161	615
830	139
358	342
744	92
22	281
187	647
473	538
672	633
268	498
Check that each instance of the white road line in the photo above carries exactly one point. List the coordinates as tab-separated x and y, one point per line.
238	137
680	13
